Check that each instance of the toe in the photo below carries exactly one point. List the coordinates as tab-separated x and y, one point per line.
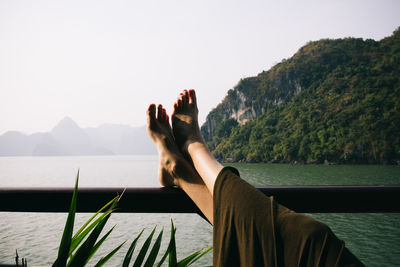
185	97
192	97
164	114
159	112
151	111
176	108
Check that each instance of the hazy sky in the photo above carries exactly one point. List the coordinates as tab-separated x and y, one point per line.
106	61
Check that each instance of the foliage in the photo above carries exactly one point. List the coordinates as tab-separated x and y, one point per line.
74	251
334	100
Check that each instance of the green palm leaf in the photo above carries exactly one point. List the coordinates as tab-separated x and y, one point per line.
104	260
129	253
84	251
172	252
185	262
143	250
76	241
99	243
63	251
193	257
85	229
91	218
170	245
154	251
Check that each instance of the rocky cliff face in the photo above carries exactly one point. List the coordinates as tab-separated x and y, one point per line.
252	97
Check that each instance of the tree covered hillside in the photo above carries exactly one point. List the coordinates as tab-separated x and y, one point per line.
334	100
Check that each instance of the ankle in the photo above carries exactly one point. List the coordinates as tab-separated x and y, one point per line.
195	147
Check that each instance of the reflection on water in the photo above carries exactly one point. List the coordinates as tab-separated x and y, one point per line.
374	238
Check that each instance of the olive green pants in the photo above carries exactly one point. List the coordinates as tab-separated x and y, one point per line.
251	229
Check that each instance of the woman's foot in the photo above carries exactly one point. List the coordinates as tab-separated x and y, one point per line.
188	137
185	123
171	162
174	169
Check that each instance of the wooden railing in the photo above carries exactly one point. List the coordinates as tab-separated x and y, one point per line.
309	199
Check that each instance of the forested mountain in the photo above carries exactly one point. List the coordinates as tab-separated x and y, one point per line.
333	101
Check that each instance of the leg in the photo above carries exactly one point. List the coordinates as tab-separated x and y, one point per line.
251	229
190	141
174	169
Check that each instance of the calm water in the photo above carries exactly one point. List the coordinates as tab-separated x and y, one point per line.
374	238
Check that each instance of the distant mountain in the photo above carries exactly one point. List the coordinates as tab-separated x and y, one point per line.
67	138
333	101
71	138
121	139
14	143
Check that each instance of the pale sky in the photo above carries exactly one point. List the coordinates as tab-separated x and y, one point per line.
106	61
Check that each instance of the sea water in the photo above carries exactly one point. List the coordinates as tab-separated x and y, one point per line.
374	238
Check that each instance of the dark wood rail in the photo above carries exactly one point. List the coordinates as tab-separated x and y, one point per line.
310	199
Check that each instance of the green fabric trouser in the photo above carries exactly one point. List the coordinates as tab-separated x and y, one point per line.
251	229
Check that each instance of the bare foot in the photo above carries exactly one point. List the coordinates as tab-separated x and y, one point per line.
189	140
185	123
171	162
